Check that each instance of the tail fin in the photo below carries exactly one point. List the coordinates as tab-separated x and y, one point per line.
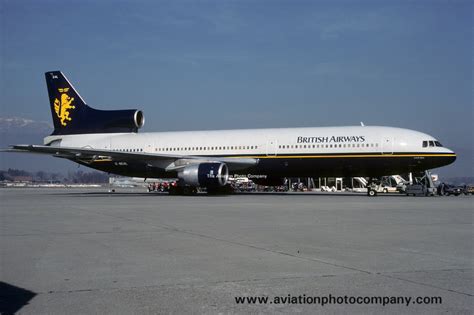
71	114
64	100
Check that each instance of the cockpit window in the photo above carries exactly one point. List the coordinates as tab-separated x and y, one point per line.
431	143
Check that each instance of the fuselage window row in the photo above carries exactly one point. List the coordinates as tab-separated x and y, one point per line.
425	144
207	148
128	150
317	146
287	146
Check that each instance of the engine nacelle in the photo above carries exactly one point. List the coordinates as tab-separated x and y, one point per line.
205	175
90	120
128	120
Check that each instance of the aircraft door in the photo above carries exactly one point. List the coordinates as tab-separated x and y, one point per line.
112	143
387	145
272	146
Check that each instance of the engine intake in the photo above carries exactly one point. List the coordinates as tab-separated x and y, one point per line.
205	175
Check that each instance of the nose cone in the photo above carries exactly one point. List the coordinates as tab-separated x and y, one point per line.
450	157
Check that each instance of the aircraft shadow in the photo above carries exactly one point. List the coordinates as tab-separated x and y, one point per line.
13	298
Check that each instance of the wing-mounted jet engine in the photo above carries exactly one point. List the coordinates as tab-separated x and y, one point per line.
213	176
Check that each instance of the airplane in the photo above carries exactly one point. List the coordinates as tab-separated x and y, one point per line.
109	141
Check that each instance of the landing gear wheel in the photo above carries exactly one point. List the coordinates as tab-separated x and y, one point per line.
175	190
189	191
183	191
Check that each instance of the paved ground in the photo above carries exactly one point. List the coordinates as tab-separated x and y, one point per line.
84	251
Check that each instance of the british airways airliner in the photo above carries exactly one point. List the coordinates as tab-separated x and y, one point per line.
109	141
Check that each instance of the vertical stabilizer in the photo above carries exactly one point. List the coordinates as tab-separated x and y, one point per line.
71	115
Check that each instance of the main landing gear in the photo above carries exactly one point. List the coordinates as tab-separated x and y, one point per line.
220	190
183	190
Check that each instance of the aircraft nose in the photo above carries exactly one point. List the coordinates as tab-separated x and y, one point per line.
451	156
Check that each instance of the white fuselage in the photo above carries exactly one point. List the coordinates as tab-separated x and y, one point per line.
260	142
286	152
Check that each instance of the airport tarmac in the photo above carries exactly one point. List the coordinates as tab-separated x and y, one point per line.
71	251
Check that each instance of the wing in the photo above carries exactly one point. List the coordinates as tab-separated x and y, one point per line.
169	162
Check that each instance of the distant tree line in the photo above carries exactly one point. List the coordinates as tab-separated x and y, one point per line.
77	177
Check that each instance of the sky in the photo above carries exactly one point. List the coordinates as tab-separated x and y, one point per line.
196	65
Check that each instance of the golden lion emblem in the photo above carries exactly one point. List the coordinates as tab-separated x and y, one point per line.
62	107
